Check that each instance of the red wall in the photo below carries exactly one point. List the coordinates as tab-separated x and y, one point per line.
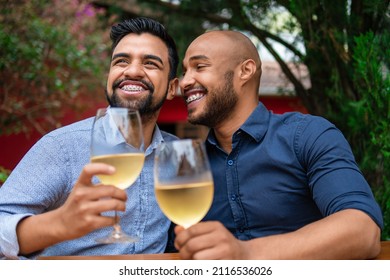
13	147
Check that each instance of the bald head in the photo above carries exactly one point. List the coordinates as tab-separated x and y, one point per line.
232	47
232	44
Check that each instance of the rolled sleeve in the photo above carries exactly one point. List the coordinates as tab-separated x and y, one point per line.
9	246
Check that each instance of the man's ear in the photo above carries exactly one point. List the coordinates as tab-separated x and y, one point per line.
173	88
247	70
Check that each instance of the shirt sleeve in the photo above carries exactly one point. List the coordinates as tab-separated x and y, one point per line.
36	185
334	177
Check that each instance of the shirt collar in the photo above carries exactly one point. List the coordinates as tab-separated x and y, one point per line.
256	125
157	138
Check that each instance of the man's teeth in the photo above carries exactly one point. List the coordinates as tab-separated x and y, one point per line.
194	97
132	88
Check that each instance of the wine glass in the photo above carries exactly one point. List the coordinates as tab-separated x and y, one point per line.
117	140
184	186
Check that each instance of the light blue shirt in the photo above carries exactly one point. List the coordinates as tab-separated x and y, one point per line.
46	175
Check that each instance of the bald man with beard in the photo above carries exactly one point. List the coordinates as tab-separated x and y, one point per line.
286	186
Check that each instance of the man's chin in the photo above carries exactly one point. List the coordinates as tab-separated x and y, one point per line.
193	120
125	104
116	101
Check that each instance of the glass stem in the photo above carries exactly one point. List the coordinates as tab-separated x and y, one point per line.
117	227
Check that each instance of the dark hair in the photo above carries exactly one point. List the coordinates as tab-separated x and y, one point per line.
146	25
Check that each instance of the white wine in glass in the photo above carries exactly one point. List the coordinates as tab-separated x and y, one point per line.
117	140
184	186
128	166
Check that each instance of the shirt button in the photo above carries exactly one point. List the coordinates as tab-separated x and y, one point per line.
230	162
241	230
233	197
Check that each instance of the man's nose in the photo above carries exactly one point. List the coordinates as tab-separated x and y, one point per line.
186	82
133	70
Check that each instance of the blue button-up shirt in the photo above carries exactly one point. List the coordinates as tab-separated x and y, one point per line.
46	175
284	172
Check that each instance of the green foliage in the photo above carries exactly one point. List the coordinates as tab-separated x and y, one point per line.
369	117
4	173
49	55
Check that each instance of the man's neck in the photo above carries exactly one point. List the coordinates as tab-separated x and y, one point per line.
148	127
225	130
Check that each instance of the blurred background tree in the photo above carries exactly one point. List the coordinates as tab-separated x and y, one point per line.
51	53
343	43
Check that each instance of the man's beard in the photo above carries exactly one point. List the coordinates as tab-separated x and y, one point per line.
219	104
145	106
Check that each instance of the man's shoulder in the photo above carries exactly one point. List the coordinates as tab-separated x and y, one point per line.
78	127
301	120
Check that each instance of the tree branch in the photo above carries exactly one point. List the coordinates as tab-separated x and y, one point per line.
247	25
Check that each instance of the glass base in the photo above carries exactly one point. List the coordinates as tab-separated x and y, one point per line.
117	236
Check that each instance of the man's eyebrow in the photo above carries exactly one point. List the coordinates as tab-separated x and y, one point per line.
154	57
147	56
120	55
198	57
